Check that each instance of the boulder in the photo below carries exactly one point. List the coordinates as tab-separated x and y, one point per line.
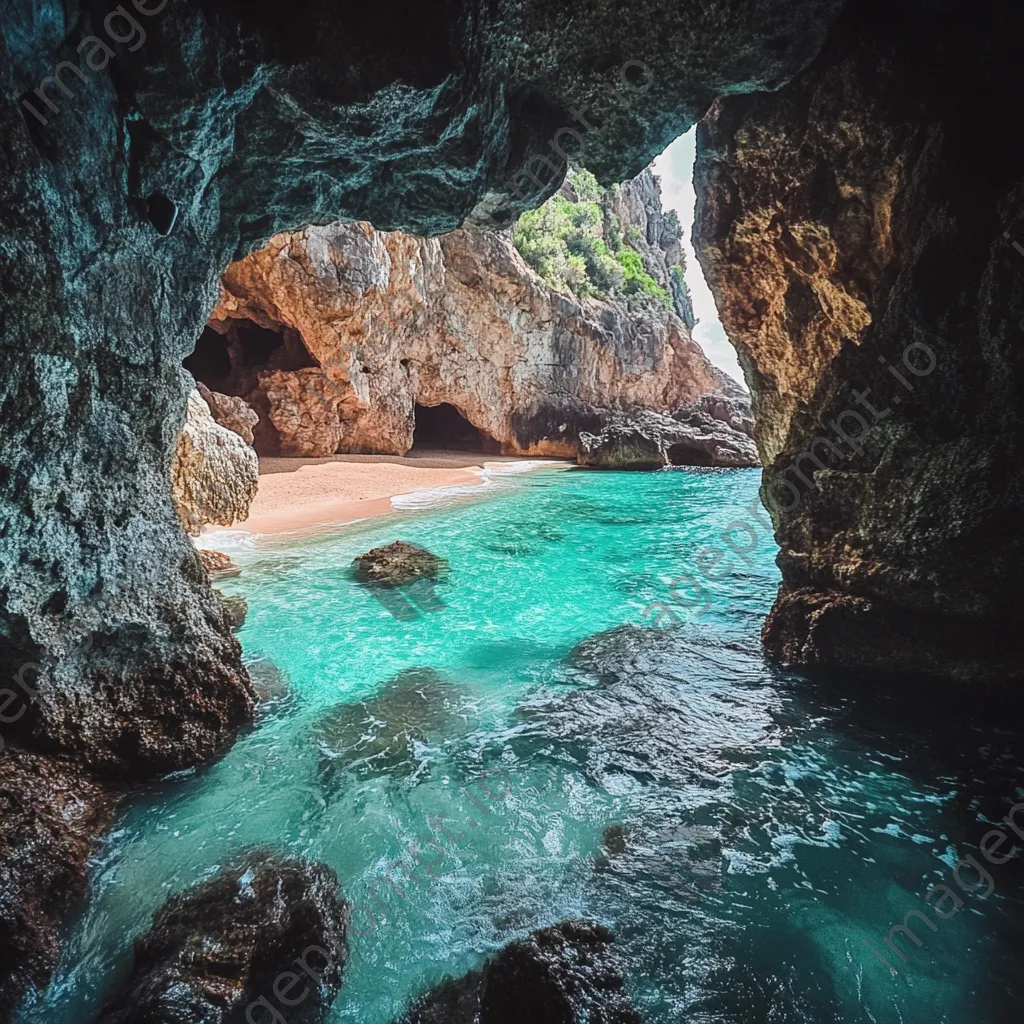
230	412
398	564
648	440
267	934
566	974
214	473
218	566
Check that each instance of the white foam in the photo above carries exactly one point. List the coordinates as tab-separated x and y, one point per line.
227	540
513	468
435	497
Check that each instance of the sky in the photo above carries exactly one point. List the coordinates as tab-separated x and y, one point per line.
675	168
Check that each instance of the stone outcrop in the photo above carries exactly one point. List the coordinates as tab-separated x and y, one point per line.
49	817
230	412
397	564
214	473
390	321
857	228
266	936
566	974
649	440
218	566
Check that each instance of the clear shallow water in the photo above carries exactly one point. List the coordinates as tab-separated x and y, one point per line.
772	825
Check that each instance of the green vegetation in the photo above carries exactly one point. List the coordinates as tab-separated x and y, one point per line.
566	245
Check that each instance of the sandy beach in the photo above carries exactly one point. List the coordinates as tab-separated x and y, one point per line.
299	494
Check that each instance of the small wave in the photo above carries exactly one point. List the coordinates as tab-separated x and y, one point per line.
227	540
514	468
436	497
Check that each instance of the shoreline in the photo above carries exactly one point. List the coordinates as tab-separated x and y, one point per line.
311	494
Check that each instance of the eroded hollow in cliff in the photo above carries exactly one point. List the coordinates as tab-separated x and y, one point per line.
230	357
686	455
443	426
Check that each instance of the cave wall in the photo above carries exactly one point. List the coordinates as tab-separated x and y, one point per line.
179	136
857	229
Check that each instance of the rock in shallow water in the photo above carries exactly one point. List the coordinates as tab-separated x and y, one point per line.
379	736
217	565
398	564
647	440
268	934
566	974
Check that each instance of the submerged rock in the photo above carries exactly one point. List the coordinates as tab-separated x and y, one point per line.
379	736
656	707
566	974
268	681
398	564
648	440
267	935
217	565
235	608
214	473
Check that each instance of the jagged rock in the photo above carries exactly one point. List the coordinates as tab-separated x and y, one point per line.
380	735
50	816
218	566
566	974
267	934
397	564
230	412
369	324
235	608
653	441
731	408
872	243
214	473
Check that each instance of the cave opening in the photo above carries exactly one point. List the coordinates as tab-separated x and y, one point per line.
685	455
229	360
444	427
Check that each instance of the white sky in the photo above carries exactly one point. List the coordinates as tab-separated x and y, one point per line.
675	168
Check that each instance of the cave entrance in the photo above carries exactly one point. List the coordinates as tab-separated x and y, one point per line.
685	455
443	426
230	360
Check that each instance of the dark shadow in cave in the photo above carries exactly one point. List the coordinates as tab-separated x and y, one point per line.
443	426
230	362
684	455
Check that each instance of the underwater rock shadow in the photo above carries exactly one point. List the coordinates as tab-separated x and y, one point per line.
387	734
661	705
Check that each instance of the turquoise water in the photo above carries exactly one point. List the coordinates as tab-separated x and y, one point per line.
772	826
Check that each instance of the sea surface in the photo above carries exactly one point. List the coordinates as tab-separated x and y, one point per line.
749	835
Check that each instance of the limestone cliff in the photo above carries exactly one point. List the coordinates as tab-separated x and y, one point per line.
335	335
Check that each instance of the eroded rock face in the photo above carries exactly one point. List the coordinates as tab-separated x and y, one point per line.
566	974
214	473
392	320
652	441
853	228
230	412
50	814
267	935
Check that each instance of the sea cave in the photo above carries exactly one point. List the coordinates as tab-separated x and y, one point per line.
501	505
